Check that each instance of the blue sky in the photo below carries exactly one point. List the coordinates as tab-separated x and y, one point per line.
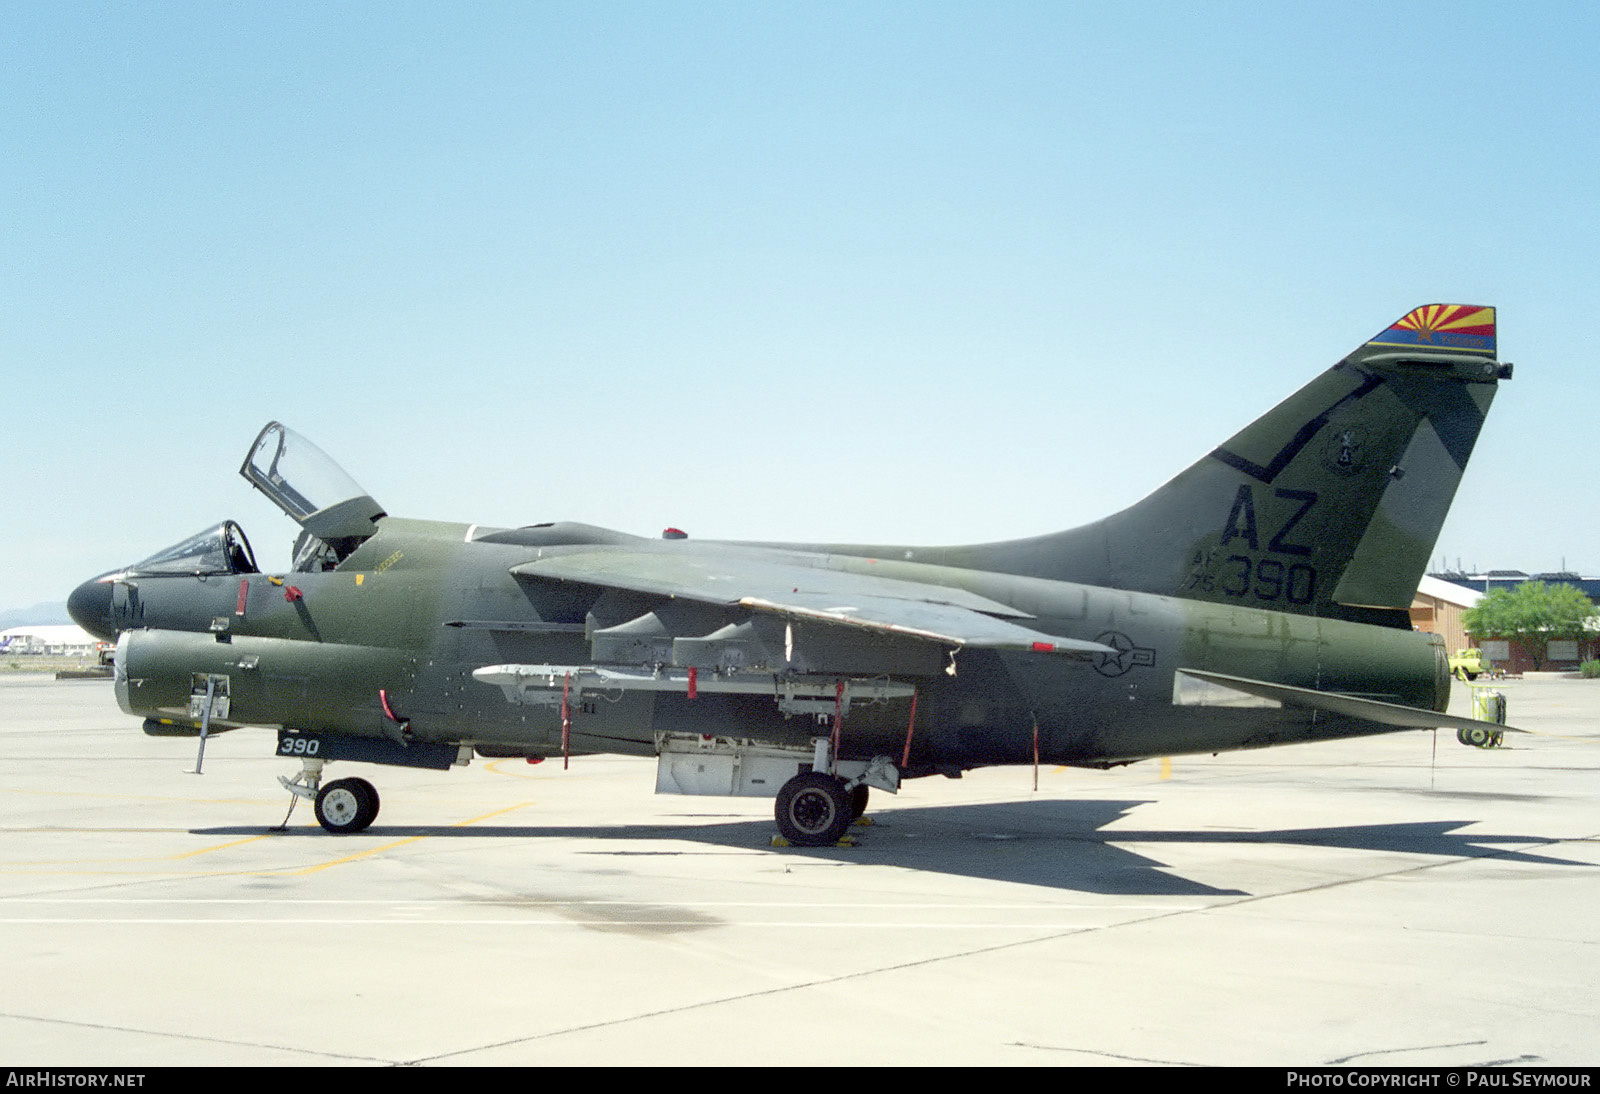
927	272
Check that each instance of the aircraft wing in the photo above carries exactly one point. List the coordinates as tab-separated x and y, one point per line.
891	606
1373	710
947	623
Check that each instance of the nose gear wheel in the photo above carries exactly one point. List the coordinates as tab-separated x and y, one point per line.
347	806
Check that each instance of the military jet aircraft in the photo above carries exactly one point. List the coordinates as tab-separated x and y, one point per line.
1259	598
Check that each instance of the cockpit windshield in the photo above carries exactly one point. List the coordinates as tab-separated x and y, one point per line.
219	550
314	491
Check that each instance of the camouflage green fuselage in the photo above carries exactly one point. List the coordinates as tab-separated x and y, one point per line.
419	606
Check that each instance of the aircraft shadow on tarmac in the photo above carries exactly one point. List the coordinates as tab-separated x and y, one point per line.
1058	844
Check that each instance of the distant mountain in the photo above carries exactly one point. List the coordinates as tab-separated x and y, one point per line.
40	615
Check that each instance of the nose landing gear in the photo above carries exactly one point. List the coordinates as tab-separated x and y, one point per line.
346	806
343	807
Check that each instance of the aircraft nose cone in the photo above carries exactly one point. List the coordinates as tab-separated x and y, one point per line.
90	608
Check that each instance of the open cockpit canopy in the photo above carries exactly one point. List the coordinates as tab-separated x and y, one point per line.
315	492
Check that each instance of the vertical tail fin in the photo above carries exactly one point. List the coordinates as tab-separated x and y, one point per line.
1329	504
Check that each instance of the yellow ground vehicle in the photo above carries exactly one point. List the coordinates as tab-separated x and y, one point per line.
1470	663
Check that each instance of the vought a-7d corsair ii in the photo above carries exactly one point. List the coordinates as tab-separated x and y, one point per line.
1259	598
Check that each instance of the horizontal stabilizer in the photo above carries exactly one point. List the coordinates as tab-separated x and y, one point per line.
1389	714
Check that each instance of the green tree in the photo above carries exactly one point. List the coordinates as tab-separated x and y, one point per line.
1533	613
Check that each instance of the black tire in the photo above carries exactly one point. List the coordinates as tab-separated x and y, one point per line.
813	810
1472	676
858	801
371	794
1461	735
1478	738
346	806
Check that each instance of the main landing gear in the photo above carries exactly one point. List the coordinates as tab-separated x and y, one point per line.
343	807
816	808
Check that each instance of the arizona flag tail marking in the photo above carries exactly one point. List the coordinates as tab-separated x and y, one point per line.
1460	328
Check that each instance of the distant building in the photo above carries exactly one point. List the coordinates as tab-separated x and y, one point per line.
68	639
1514	656
1490	580
1439	607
